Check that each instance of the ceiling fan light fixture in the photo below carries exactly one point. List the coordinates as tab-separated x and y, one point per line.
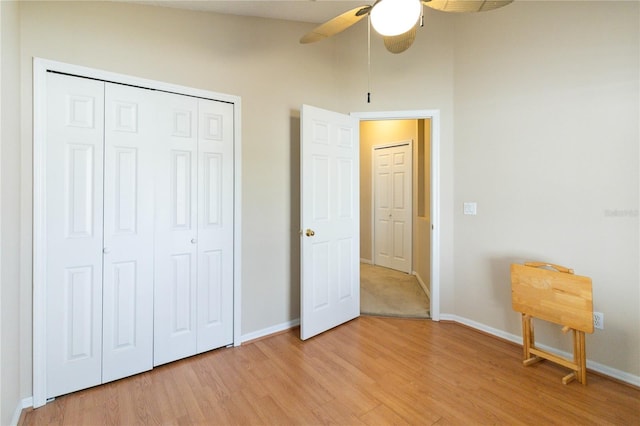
395	17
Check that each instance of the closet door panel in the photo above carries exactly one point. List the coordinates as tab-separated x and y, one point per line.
176	230
215	225
383	174
128	231
74	233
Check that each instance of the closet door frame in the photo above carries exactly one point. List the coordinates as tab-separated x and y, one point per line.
40	69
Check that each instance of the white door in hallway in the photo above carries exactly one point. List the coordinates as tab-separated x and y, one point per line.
330	237
393	206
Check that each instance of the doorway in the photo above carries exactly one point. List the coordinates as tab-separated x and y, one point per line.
422	127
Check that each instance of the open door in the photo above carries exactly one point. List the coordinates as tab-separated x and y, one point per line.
330	220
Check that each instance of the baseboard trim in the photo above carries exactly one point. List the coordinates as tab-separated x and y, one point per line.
597	367
367	261
22	404
423	285
278	328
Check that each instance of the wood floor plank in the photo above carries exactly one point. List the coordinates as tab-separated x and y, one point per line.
370	371
383	415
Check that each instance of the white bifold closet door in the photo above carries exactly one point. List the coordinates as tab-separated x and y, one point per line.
139	230
99	269
74	158
127	327
194	228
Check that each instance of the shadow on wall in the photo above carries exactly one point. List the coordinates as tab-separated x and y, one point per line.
294	246
501	282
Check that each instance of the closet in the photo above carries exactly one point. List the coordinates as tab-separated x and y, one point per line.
138	231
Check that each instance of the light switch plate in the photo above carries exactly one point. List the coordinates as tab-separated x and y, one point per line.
470	208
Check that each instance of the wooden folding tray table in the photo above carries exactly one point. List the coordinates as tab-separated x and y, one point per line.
553	293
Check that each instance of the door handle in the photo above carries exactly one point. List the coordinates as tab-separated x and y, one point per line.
310	233
194	241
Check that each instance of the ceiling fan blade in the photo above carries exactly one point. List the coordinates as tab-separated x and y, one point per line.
336	25
465	5
366	9
400	43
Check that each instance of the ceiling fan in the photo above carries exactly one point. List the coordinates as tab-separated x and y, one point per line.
396	20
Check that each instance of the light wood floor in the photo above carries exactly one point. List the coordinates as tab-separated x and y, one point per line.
373	371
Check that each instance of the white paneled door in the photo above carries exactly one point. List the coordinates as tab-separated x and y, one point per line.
127	340
194	227
176	229
392	206
74	179
215	225
330	246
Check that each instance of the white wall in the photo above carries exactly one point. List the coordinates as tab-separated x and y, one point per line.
9	212
524	80
546	133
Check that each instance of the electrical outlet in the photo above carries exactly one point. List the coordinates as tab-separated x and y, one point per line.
598	320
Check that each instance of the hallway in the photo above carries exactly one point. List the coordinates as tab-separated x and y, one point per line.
386	292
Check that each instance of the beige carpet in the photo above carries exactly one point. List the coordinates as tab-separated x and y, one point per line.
386	292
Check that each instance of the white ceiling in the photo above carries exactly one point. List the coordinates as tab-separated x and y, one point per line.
294	10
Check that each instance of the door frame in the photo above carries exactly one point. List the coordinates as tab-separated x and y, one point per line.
434	115
40	69
408	142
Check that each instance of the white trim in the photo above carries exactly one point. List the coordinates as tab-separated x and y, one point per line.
271	330
434	115
424	286
367	261
1	137
435	216
237	222
592	365
393	145
40	68
45	64
22	404
39	234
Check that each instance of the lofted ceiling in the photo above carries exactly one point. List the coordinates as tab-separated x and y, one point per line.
315	11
